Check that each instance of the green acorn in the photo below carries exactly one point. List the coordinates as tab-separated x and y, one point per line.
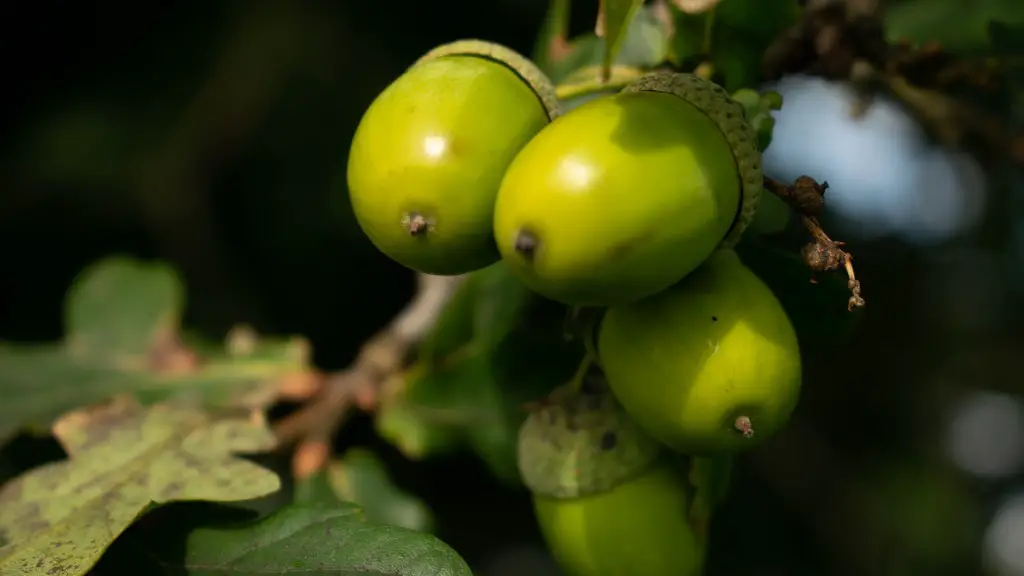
625	195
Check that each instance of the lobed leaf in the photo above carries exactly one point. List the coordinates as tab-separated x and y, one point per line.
615	19
118	308
454	327
483	310
361	478
473	398
123	458
319	541
123	337
644	44
732	36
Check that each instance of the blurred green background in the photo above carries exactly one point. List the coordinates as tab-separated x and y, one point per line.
213	135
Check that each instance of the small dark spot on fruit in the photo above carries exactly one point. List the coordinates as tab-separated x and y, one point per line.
526	243
714	318
609	440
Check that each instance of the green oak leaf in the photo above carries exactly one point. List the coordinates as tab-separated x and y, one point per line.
498	414
123	458
454	327
771	100
121	314
758	108
764	125
119	307
750	99
732	36
318	540
499	306
361	478
419	419
476	401
644	45
483	310
946	22
473	398
618	15
690	38
443	408
757	20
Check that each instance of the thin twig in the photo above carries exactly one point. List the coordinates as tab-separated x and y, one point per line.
806	197
313	426
847	41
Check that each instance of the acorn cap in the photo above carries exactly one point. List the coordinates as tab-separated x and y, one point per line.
580	443
514	61
731	119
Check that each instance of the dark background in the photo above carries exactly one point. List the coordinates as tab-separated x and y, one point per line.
213	135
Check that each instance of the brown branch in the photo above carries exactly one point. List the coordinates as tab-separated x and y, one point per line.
806	197
846	41
313	426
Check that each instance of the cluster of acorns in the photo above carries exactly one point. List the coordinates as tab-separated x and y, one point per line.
632	203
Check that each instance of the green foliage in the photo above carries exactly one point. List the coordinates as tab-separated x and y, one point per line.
122	320
948	23
319	540
773	215
150	415
617	15
359	477
118	309
732	36
496	347
758	108
642	43
122	459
